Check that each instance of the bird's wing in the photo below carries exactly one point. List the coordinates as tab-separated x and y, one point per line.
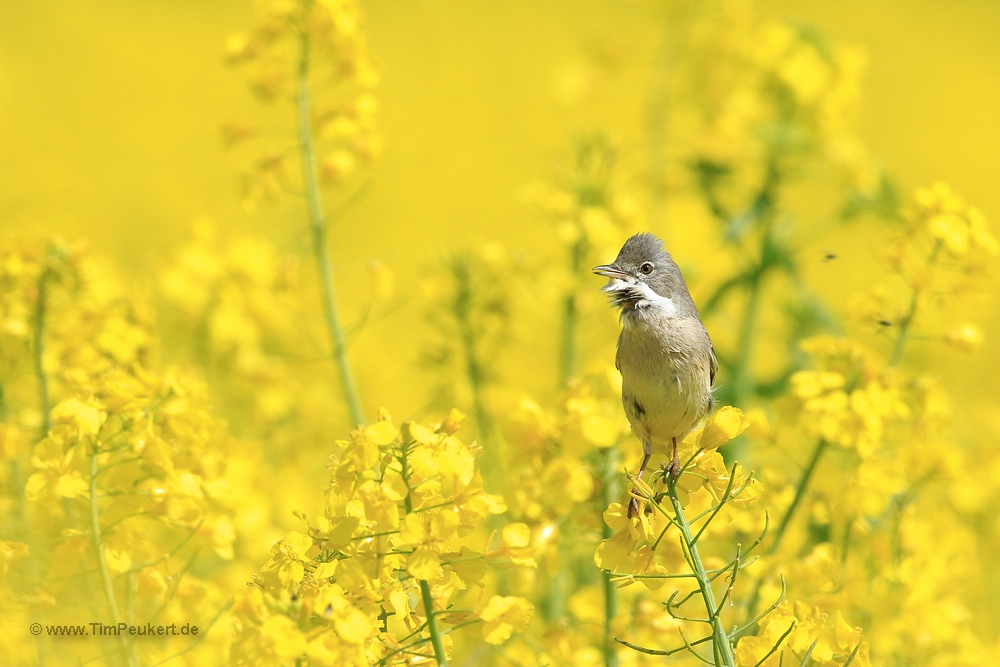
713	365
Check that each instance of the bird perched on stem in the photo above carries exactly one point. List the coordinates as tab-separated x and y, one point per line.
665	356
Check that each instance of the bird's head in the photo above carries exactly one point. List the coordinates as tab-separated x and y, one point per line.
644	276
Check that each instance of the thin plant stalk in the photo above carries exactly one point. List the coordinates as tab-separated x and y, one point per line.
432	624
911	312
567	352
609	492
43	379
130	593
904	330
800	492
571	316
433	629
786	519
318	227
743	382
723	650
102	564
761	215
473	365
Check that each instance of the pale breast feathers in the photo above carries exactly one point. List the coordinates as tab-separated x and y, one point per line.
667	373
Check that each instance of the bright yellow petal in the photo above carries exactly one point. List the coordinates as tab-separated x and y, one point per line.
727	423
117	560
382	433
516	535
424	563
354	627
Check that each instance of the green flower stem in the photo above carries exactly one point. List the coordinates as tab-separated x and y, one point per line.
425	589
786	519
460	266
567	350
317	223
722	648
43	379
761	214
609	493
571	316
904	331
432	624
800	492
102	565
130	593
911	312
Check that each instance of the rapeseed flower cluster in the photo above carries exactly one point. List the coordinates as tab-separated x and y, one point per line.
383	575
293	44
117	495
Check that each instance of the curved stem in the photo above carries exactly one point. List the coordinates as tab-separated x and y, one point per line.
317	223
43	380
425	589
567	351
722	648
800	492
102	565
474	370
904	331
786	519
911	312
609	492
571	316
760	214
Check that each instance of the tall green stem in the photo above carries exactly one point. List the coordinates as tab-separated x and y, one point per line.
786	519
43	379
462	307
911	312
102	564
904	331
433	629
432	624
760	214
800	492
609	493
567	350
317	223
571	315
723	649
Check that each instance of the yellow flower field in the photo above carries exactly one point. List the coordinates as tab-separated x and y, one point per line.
303	363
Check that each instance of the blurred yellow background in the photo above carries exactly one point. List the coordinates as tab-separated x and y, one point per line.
110	117
110	112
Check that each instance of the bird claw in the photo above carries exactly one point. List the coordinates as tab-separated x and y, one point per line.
674	469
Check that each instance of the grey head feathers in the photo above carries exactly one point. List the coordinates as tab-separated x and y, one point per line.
642	272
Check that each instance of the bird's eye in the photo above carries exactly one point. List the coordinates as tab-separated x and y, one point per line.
646	268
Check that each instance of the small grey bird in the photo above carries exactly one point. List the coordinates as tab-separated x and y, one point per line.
665	356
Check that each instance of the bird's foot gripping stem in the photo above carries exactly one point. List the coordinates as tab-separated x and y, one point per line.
674	467
633	503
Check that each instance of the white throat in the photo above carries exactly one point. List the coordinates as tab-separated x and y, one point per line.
649	301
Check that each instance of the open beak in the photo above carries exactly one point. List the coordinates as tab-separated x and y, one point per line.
610	271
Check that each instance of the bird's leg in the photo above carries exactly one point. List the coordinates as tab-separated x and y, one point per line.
647	451
674	468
